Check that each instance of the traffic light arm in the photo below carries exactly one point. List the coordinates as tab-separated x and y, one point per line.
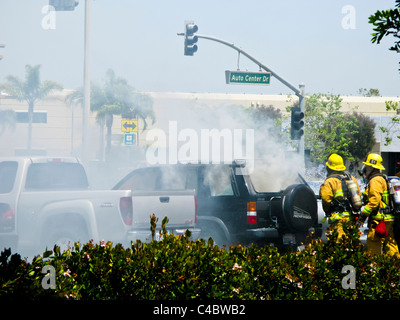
273	73
299	92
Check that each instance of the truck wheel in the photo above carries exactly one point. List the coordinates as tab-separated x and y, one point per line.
208	231
66	237
299	208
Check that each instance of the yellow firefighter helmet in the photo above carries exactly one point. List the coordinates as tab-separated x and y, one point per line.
375	161
335	162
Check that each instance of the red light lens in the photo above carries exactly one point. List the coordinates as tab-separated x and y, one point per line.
126	208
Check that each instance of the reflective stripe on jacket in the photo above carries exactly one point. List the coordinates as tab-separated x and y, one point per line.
377	196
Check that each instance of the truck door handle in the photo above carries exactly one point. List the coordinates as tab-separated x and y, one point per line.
164	199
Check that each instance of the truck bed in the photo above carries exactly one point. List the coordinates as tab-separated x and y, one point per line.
178	206
100	209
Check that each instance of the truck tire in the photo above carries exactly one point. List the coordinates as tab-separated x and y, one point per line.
299	208
213	229
65	235
65	239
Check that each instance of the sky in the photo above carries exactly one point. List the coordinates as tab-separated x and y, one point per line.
326	45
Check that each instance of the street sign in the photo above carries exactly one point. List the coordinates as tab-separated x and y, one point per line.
130	139
245	77
63	5
129	125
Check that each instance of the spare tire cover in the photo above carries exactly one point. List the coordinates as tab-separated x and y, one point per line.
299	208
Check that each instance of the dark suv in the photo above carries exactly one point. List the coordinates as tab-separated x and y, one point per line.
237	206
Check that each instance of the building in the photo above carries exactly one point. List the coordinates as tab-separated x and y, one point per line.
57	125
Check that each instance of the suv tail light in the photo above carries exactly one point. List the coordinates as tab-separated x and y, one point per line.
126	209
7	218
251	213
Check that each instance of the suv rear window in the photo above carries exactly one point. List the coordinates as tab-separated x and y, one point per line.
159	179
56	176
8	172
273	178
219	180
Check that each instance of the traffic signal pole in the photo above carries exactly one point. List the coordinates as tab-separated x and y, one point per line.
298	91
302	106
69	5
2	46
86	83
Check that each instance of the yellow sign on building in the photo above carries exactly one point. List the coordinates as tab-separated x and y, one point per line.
129	125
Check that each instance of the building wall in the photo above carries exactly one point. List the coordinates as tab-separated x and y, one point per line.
52	138
62	134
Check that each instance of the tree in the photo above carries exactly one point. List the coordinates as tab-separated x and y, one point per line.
369	93
31	90
329	130
266	119
141	106
325	127
392	127
362	140
387	22
115	97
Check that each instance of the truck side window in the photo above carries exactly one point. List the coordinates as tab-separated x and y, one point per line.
218	179
8	172
56	176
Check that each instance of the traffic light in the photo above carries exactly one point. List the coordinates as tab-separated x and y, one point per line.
297	124
63	5
190	38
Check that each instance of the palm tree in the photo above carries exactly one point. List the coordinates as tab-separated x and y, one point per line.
31	90
141	106
115	97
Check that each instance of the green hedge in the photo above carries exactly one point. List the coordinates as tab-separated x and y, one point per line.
178	268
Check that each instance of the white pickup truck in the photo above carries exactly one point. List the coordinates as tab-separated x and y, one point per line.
157	193
46	201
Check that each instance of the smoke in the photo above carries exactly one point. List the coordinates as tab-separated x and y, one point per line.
191	131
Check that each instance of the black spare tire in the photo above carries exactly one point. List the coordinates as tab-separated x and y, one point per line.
299	208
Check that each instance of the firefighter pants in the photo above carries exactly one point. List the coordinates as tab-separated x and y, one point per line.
377	245
338	226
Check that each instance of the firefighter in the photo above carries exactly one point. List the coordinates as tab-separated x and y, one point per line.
397	169
335	200
378	208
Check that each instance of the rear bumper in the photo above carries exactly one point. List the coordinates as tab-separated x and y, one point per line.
273	235
260	233
145	235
